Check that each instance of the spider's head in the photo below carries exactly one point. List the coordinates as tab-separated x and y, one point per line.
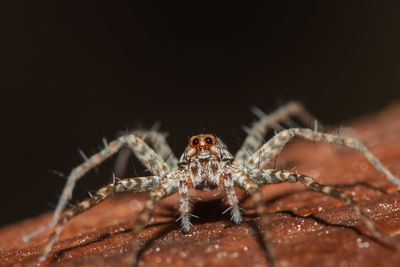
203	159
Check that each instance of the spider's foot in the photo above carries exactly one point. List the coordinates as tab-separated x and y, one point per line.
236	217
28	237
185	222
185	227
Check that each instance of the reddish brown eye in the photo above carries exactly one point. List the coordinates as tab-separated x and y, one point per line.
209	140
195	142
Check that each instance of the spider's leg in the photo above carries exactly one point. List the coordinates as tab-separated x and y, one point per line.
271	148
168	187
272	176
137	184
184	205
259	129
143	152
121	162
245	182
156	140
159	142
232	200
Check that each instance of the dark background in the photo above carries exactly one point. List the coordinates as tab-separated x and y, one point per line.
73	73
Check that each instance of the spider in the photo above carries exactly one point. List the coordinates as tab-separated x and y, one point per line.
207	164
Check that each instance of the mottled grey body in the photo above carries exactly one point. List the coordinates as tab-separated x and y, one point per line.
207	164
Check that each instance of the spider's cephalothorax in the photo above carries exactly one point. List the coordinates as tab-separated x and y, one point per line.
206	164
204	160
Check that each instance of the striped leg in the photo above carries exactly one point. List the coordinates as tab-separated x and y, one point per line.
144	153
270	149
259	129
168	187
184	206
252	188
156	140
138	184
271	176
232	200
165	189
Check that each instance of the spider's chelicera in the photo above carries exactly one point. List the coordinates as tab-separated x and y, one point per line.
207	164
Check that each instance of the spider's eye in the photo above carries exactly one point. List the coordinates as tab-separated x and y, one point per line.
195	142
209	140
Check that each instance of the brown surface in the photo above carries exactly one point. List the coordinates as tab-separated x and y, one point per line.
331	236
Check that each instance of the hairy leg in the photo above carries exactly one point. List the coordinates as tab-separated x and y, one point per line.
272	176
257	132
168	187
232	200
138	184
144	153
271	148
156	140
184	205
245	182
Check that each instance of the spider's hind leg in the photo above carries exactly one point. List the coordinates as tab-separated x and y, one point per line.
143	152
244	181
256	134
155	139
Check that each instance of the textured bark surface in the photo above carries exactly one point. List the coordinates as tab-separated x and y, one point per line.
310	229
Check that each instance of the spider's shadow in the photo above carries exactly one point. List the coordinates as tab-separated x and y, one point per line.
211	211
206	210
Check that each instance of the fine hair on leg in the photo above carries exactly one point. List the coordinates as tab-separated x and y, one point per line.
256	134
271	148
137	184
144	153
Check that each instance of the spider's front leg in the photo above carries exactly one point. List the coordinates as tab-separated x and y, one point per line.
143	152
168	187
271	148
184	204
232	199
137	184
272	176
